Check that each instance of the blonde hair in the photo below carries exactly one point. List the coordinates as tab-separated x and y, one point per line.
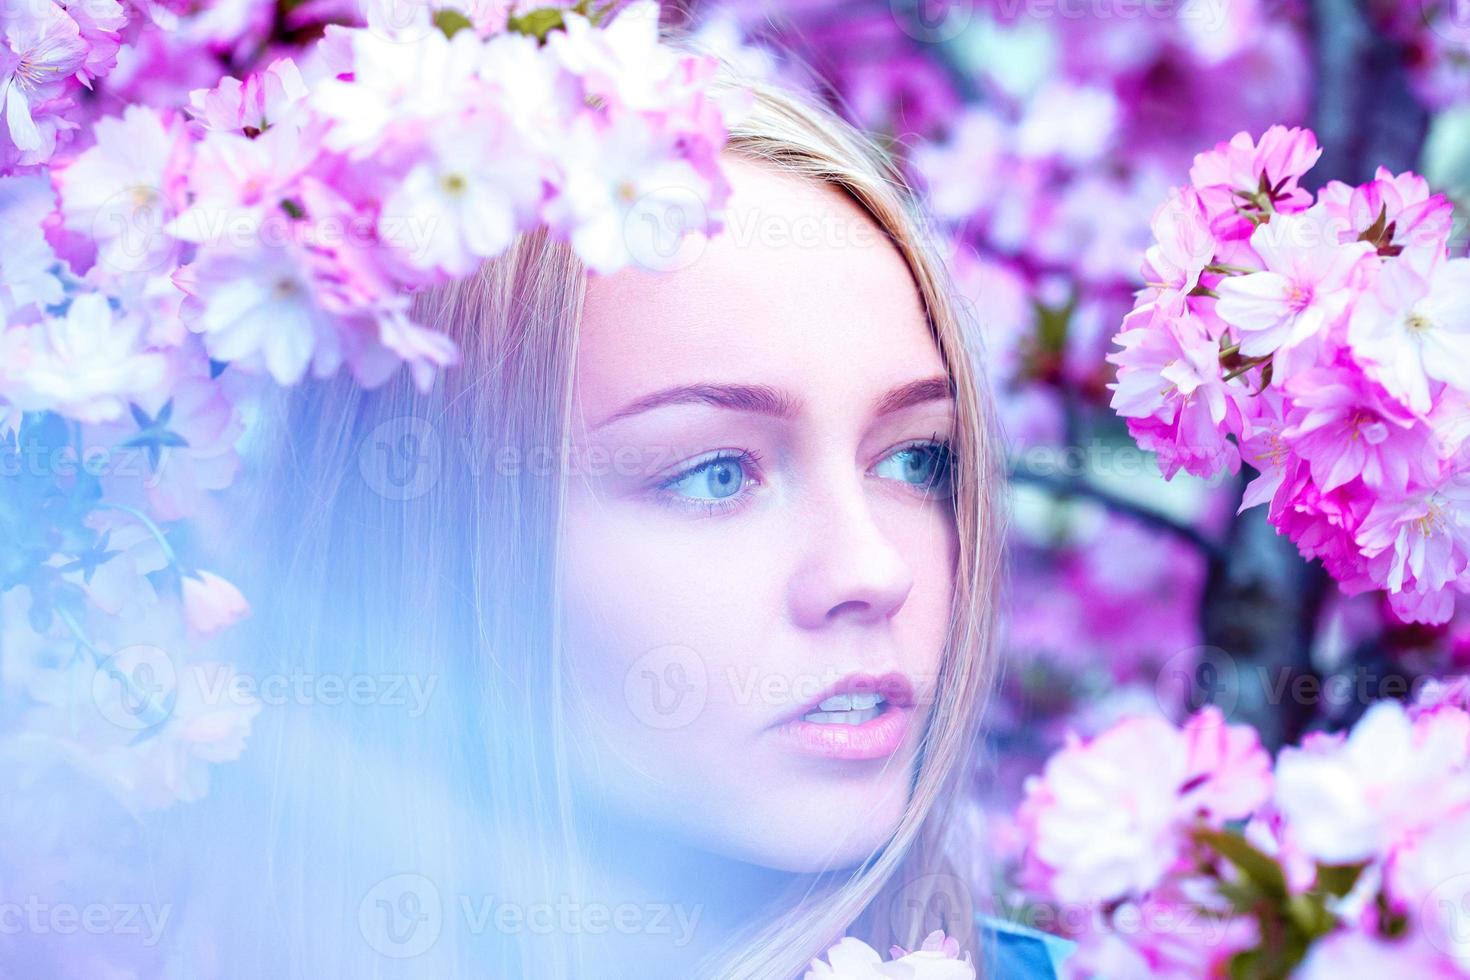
452	575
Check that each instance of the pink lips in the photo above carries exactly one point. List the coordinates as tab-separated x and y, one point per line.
876	738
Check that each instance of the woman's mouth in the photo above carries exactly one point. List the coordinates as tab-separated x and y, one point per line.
846	709
860	717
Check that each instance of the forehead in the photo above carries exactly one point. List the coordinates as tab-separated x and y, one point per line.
799	290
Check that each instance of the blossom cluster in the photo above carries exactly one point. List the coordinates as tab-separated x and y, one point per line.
286	218
161	264
1325	340
1085	120
1184	852
65	63
48	52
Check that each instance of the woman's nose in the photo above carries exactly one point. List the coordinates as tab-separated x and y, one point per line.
850	567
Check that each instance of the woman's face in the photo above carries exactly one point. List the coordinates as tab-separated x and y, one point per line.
758	517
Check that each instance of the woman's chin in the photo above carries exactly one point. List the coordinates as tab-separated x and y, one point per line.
805	838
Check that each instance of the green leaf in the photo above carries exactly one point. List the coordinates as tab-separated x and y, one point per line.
1245	965
537	23
1243	896
1338	879
1256	865
1310	916
451	22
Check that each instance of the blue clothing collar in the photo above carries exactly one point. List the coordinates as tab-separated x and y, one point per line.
1009	951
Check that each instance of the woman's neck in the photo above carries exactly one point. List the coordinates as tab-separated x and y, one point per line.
669	904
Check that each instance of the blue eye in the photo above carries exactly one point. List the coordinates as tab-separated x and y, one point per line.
926	466
718	483
714	484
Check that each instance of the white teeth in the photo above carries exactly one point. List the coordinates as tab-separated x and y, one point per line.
849	702
854	717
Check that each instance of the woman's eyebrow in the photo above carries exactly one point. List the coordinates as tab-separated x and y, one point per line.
764	400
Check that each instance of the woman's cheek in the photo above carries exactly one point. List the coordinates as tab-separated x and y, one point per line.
657	626
932	546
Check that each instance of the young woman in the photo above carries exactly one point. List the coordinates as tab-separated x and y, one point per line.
654	640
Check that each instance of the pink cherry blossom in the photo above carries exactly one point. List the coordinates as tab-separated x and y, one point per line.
27	261
1323	525
621	191
1415	224
1419	544
1306	287
1171	389
121	586
211	603
1345	427
1184	247
257	305
464	199
623	63
122	191
1393	795
1264	448
1229	771
1103	817
1359	955
852	959
100	24
40	47
239	184
1338	356
1411	330
397	91
85	365
1230	177
1272	835
1169	934
1430	878
532	90
174	481
1370	793
210	719
253	105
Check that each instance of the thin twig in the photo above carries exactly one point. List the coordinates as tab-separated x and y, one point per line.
1076	487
